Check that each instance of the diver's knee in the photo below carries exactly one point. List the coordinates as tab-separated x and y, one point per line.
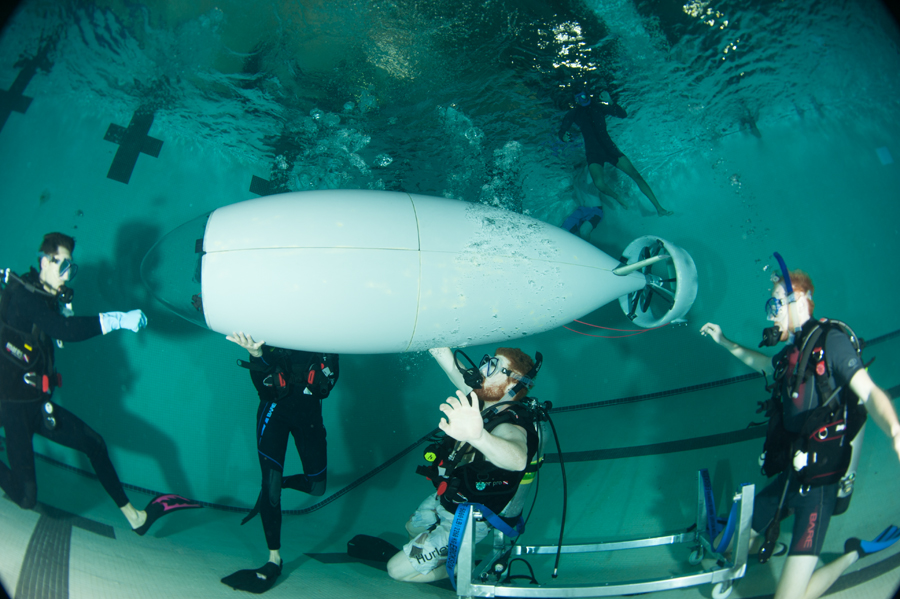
272	488
398	567
95	443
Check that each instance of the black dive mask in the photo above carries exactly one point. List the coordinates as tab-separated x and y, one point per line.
771	337
472	376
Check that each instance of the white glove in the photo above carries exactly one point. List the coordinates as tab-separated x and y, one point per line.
113	321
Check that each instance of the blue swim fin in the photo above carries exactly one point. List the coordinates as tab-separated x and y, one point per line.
888	537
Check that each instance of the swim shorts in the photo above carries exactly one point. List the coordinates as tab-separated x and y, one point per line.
812	512
428	549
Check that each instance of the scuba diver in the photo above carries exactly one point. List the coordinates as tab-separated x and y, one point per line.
490	436
815	422
590	115
291	386
36	314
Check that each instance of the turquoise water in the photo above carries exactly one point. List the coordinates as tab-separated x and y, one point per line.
764	126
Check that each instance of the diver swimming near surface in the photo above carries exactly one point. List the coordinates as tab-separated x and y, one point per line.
589	114
36	315
291	385
820	397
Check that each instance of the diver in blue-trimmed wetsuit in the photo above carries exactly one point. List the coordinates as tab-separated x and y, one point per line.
590	117
291	386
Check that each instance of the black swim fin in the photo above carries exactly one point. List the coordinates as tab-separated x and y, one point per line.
371	548
161	505
253	511
250	580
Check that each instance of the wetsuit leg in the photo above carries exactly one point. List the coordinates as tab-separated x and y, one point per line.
812	513
309	437
18	480
272	431
71	431
599	179
624	164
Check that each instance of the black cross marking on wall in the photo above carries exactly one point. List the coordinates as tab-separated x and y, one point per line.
263	187
13	99
45	569
133	141
260	186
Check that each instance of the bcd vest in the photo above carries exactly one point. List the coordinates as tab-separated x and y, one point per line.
828	429
478	480
27	371
289	371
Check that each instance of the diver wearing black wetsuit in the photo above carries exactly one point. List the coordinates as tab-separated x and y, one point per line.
292	409
591	120
590	116
35	310
291	386
23	407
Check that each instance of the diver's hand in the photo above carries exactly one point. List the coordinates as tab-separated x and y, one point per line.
714	331
567	136
441	353
133	320
247	342
462	418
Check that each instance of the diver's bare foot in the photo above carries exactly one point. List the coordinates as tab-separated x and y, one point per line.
664	212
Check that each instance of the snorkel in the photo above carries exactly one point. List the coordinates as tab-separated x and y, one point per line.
772	335
528	379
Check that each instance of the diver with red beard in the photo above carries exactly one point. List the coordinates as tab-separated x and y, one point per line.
490	436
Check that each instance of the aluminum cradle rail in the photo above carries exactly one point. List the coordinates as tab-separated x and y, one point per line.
485	580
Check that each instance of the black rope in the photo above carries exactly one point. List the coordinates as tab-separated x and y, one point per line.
362	479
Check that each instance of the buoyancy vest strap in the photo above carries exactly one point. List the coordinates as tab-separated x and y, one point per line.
729	529
810	343
712	524
712	518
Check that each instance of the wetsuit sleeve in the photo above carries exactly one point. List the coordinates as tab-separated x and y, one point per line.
27	309
566	124
843	360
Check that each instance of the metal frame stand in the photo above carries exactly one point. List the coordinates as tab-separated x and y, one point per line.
484	582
